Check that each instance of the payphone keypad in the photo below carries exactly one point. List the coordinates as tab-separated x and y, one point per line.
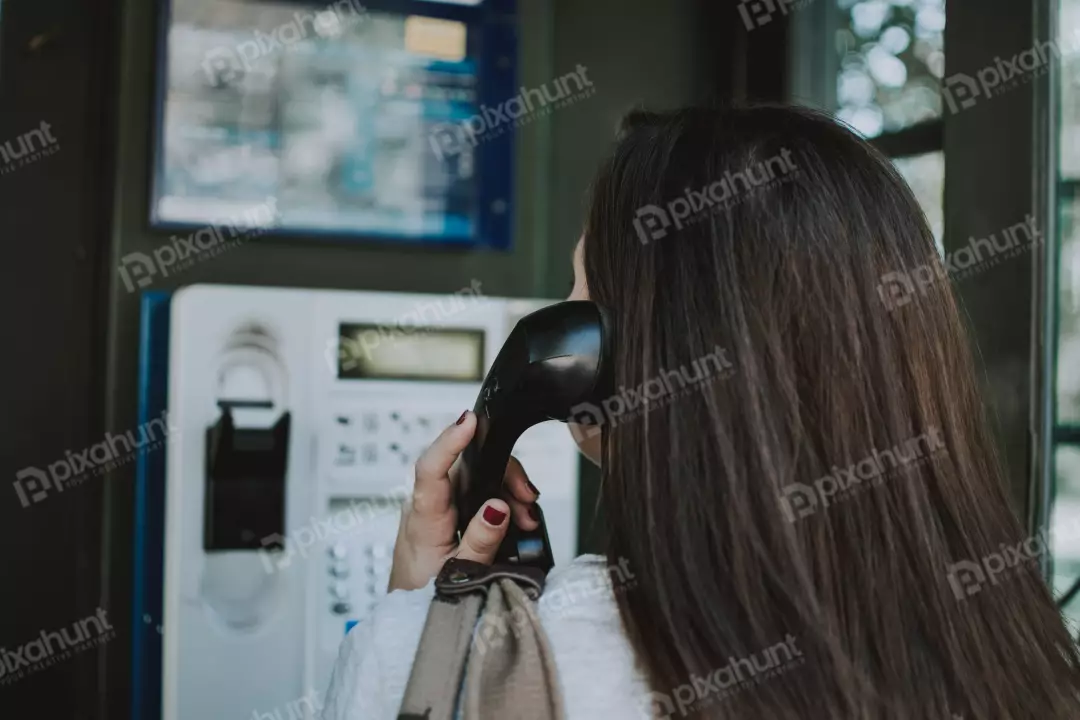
391	439
354	570
373	446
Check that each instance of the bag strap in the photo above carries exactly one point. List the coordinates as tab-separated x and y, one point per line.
511	671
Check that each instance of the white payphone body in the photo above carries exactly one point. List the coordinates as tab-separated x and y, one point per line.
367	380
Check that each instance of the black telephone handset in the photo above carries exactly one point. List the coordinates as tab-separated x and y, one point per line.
554	359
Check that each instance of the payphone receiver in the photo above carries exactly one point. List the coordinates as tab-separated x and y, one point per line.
555	363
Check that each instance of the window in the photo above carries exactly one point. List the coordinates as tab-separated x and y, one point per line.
888	87
926	175
884	61
1066	457
892	60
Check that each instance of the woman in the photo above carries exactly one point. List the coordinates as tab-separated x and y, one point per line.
815	526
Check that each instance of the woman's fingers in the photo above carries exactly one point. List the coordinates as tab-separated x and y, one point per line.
523	514
516	482
486	530
432	493
520	494
428	525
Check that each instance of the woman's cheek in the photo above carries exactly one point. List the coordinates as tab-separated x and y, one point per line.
588	442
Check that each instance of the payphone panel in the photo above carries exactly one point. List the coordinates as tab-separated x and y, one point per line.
300	414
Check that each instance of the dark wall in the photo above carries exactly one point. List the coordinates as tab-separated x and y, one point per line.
55	68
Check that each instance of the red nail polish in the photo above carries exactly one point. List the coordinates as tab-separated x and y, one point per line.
536	490
462	418
493	516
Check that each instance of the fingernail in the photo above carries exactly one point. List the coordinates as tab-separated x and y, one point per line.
493	516
536	490
533	513
462	418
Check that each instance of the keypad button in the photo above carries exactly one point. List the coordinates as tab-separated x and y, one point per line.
346	455
337	551
341	608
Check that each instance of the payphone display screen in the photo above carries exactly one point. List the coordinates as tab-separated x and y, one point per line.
331	112
374	352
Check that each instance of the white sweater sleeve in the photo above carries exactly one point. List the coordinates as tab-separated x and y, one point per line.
373	665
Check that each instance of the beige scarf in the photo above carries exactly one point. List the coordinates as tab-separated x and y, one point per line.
506	660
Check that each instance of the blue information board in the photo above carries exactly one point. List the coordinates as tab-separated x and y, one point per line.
351	121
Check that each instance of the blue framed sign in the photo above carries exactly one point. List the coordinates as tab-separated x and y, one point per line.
340	120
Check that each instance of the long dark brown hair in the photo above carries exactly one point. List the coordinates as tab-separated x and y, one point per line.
805	486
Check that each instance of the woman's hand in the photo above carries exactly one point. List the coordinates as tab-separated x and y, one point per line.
427	533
